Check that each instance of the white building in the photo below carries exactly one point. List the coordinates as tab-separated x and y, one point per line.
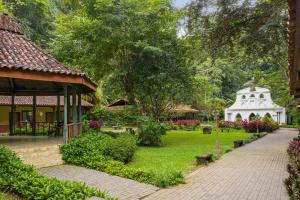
257	102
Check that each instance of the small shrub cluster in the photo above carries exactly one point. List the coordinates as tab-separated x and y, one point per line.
187	124
89	151
229	124
26	182
150	133
122	148
95	124
259	126
292	183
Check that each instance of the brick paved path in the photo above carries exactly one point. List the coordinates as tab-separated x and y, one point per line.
253	172
125	189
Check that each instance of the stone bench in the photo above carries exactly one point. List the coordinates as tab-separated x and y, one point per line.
204	159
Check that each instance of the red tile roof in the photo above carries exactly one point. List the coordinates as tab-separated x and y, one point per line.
18	52
119	102
40	101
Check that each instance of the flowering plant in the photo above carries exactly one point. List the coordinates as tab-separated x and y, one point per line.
95	124
259	125
294	148
229	124
187	122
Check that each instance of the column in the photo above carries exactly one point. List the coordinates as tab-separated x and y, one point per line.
12	114
65	134
74	107
68	107
34	114
58	115
79	107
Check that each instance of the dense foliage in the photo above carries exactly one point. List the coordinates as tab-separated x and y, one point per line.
25	181
150	133
122	148
293	181
88	150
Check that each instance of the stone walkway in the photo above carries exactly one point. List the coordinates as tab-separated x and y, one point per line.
39	151
125	189
253	172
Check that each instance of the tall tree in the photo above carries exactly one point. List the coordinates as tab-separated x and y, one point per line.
131	45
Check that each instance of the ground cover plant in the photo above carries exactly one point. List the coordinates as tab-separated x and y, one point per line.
103	152
26	182
179	148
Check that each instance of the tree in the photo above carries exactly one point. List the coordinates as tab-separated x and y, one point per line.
129	45
241	38
35	18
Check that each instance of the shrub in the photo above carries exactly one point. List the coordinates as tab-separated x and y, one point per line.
293	181
88	151
26	182
187	124
150	133
260	126
122	148
229	124
95	124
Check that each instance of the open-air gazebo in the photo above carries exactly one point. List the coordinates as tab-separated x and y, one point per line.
25	70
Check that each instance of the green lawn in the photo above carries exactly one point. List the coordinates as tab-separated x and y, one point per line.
180	148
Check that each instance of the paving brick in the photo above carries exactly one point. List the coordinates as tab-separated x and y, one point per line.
114	185
254	172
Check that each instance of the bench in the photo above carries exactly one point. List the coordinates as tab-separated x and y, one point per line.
204	159
238	143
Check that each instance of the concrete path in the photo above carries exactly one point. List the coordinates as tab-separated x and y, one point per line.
125	189
253	172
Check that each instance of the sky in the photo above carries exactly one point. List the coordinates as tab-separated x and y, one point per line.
180	3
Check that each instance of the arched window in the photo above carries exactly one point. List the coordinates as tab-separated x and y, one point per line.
238	117
261	96
244	97
252	116
267	116
252	95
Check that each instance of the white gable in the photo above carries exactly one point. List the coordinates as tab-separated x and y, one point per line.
258	102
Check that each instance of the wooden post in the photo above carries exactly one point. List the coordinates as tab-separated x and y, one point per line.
12	114
79	107
74	107
58	115
34	114
68	106
65	134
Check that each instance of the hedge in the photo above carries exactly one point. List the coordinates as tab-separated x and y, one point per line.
88	151
24	181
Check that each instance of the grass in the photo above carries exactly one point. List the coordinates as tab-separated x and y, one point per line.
180	148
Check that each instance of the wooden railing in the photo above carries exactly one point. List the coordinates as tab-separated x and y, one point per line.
74	130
